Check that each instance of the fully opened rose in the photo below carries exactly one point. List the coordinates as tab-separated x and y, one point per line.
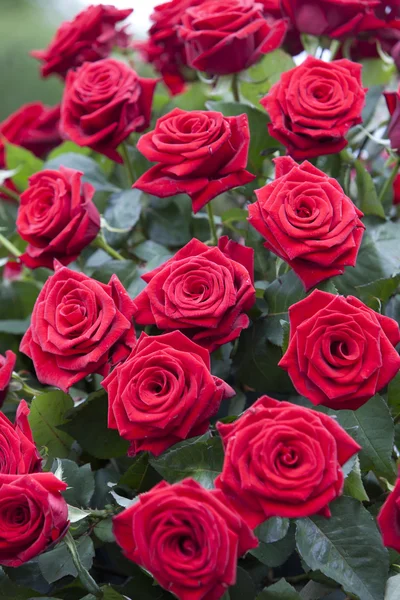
186	537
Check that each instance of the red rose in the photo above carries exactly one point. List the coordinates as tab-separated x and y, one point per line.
18	453
103	103
307	220
396	190
33	515
79	326
57	217
292	465
340	351
7	364
227	37
314	105
203	291
393	104
12	270
389	519
163	393
186	537
199	153
89	37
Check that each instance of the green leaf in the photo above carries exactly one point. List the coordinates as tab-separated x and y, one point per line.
97	439
374	94
280	295
148	250
233	215
125	270
353	484
381	289
25	163
77	514
394	394
46	416
282	590
92	173
11	591
123	212
67	148
286	334
15	326
57	563
273	530
168	220
8	217
347	548
376	72
140	476
80	482
104	531
244	586
368	200
201	460
276	553
393	588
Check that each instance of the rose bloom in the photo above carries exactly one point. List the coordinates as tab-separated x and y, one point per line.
393	104
163	393
203	291
56	217
103	103
314	105
389	519
292	466
308	221
33	516
18	453
228	36
7	364
199	153
396	190
340	351
88	38
186	537
79	326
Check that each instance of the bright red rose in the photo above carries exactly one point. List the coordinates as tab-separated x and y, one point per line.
7	364
200	153
103	103
308	221
186	537
227	37
314	105
203	291
33	516
57	217
18	453
282	460
89	37
393	104
79	327
340	351
389	519
163	393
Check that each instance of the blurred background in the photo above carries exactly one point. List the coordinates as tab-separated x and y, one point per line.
30	24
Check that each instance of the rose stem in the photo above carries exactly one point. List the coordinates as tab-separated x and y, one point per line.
389	182
10	193
84	576
213	229
127	163
9	246
235	87
25	387
100	242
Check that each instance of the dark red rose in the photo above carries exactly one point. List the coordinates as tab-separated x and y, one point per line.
186	537
79	327
7	364
272	7
283	460
18	453
163	393
229	36
389	519
393	104
200	153
340	351
89	37
308	221
314	105
396	190
103	103
56	217
203	291
33	515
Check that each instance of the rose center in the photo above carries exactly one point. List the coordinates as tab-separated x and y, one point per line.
188	546
339	349
289	457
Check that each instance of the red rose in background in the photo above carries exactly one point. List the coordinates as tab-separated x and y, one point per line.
393	104
18	453
33	515
89	37
163	393
340	351
199	153
79	327
203	291
103	103
282	460
308	221
7	364
396	190
314	105
186	537
228	36
389	519
12	270
57	217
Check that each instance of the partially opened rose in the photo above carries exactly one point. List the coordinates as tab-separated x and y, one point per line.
389	519
7	364
393	104
18	453
340	351
308	221
186	537
163	393
282	460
